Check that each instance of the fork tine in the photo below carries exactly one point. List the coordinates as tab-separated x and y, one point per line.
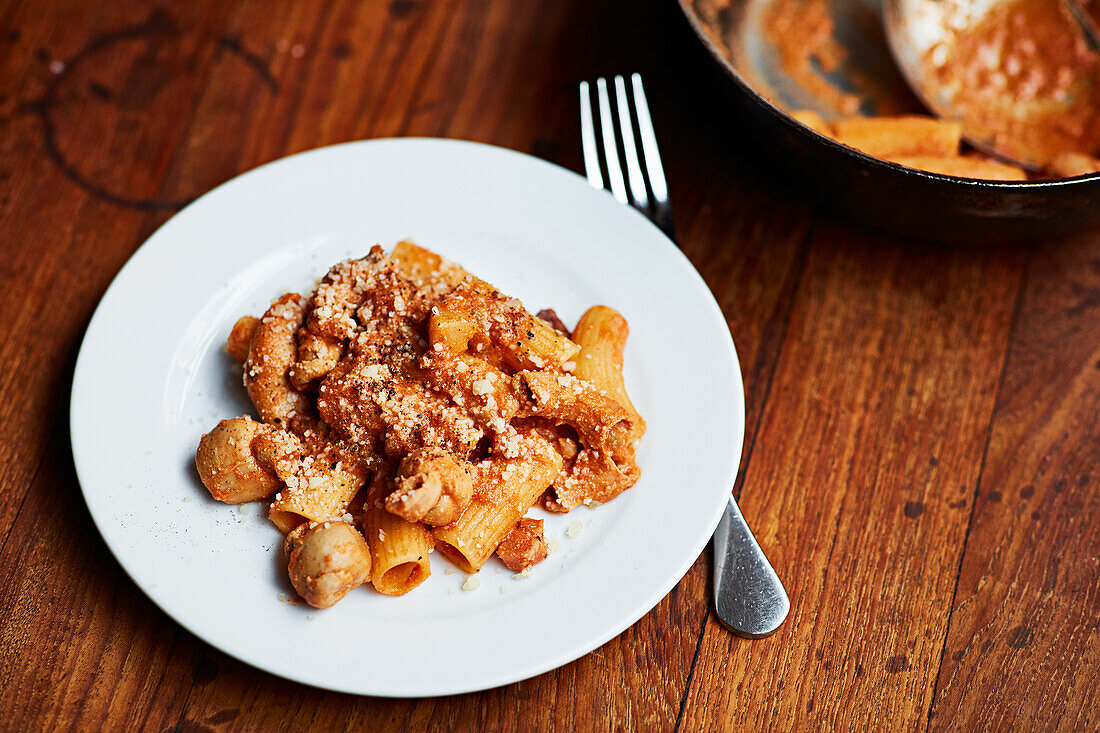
588	139
610	149
653	165
630	152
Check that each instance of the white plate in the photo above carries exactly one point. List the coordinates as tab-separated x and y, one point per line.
153	376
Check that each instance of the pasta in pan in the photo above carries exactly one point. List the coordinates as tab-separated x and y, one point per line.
409	404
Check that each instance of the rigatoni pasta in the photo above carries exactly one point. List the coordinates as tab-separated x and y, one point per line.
416	406
399	548
915	141
601	333
507	488
909	135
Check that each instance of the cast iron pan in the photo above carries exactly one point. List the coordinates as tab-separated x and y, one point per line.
883	194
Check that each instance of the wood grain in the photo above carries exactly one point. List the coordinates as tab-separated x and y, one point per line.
882	361
83	648
1025	625
921	446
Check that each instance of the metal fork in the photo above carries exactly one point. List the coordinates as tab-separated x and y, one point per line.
657	208
748	595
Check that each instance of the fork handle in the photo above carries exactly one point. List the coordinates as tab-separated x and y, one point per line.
748	595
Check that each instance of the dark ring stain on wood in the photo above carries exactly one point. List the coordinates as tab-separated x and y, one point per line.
913	509
157	23
257	63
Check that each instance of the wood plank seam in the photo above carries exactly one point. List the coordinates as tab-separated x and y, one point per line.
190	690
27	490
803	258
149	710
691	669
1016	307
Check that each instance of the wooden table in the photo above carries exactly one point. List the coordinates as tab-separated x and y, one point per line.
922	457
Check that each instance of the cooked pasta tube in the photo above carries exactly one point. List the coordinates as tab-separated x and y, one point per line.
320	475
543	348
1068	165
321	491
963	167
240	338
476	316
888	137
399	549
605	466
426	268
287	522
813	120
593	476
505	489
599	420
601	333
474	383
451	329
